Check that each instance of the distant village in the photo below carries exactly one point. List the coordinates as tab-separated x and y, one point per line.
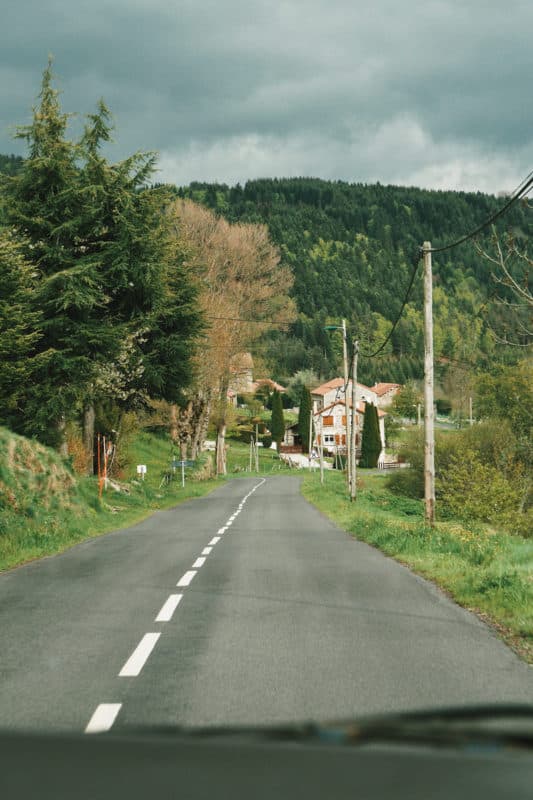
330	402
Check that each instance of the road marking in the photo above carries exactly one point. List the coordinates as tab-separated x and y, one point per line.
138	658
187	578
199	562
103	718
206	551
167	610
215	540
221	530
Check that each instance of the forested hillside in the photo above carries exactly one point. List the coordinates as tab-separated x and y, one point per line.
351	249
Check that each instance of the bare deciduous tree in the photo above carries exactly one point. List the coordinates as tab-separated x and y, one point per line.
243	292
512	274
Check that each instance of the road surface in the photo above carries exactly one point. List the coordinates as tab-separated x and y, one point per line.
246	606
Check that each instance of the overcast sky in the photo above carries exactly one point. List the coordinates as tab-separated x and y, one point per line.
435	93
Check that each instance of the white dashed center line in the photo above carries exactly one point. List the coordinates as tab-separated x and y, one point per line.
103	718
106	713
138	658
165	615
187	578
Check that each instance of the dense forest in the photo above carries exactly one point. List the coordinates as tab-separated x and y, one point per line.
351	248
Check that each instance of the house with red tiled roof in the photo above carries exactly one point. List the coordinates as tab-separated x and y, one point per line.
333	390
385	393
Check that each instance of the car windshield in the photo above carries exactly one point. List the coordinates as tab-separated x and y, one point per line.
265	364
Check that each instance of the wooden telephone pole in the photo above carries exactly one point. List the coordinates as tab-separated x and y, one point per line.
346	410
353	438
429	409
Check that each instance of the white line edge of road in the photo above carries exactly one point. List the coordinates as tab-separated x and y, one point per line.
187	578
103	718
167	610
139	657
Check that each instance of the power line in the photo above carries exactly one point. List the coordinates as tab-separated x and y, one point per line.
396	321
523	188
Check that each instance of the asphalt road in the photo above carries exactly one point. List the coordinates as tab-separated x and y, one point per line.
283	617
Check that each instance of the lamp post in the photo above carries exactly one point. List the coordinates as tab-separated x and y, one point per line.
347	416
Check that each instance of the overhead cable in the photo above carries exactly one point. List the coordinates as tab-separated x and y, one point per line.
521	191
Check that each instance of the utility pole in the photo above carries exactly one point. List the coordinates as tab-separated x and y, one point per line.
321	452
353	438
310	438
346	411
256	447
429	410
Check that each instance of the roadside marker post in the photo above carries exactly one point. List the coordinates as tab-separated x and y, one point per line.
182	464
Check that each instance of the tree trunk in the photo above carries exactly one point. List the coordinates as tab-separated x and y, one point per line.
88	437
200	422
62	436
173	422
221	449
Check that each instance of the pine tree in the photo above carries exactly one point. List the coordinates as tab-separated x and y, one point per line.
371	444
107	274
304	414
19	331
277	424
47	207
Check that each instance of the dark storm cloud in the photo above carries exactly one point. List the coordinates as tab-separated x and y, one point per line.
427	92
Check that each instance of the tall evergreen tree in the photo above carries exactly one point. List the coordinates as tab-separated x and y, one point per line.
19	331
304	414
371	444
47	207
107	274
277	423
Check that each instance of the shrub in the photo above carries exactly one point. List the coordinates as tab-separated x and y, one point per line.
444	406
470	489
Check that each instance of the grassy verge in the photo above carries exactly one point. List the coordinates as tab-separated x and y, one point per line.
68	509
44	509
484	570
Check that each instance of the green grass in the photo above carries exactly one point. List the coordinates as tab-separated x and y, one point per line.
44	508
34	524
484	570
239	460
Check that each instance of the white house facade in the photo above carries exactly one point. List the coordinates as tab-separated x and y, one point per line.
330	425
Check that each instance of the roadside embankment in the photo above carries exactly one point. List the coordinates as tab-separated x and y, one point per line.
45	507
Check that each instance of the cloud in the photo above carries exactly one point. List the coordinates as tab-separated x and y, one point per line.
432	91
